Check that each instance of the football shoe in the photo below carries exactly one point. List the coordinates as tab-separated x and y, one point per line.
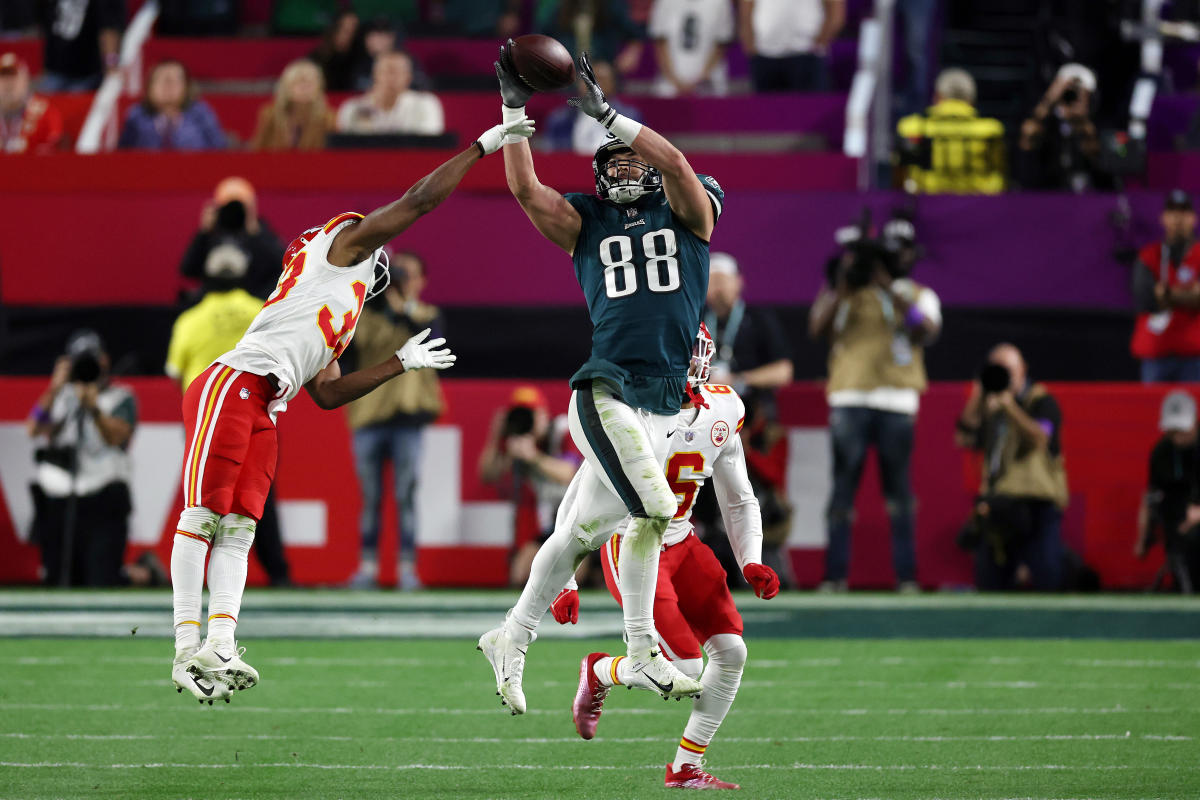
222	661
589	698
206	690
693	776
508	662
650	670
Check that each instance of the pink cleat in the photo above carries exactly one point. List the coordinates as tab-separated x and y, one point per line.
691	776
589	699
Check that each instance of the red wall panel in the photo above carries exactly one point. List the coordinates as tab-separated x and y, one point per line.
1108	430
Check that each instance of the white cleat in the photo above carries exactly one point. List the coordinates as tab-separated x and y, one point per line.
508	662
222	662
204	689
650	670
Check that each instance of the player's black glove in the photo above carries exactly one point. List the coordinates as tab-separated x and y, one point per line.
513	91
592	101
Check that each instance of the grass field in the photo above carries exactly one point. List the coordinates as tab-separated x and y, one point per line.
417	718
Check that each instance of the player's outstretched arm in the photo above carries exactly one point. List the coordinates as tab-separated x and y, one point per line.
331	389
684	191
743	520
357	242
549	211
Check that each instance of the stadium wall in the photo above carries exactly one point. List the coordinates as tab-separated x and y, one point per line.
466	528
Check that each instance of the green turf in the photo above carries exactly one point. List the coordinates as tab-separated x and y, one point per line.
820	718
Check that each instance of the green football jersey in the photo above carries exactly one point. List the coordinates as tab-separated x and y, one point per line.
645	276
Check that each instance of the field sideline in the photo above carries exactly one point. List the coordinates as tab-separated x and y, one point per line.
880	713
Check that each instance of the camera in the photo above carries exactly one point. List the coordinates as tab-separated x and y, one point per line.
995	378
1069	95
85	368
518	421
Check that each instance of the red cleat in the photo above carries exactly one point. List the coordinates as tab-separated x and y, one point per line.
691	776
589	699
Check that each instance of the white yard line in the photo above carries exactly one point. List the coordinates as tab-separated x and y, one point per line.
613	767
854	712
1088	737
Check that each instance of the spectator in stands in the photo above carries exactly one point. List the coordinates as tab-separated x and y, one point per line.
28	122
491	18
1015	530
205	332
380	37
568	128
391	105
17	17
341	54
532	455
299	117
788	41
690	39
82	424
1166	292
919	18
171	116
879	322
1059	148
951	149
231	217
82	43
389	423
1170	509
604	30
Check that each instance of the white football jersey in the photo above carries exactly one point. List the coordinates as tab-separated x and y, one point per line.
310	318
706	445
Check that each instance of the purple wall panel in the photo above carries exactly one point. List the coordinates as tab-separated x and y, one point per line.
1032	250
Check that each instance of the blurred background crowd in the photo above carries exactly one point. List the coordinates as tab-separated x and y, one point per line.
958	285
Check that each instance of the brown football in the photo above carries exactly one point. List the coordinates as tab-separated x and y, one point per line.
541	62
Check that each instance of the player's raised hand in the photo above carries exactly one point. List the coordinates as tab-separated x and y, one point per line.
592	101
511	132
513	91
565	607
762	579
420	354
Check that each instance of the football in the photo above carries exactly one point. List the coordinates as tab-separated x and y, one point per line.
540	61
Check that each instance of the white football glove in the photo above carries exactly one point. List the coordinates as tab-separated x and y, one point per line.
419	354
505	133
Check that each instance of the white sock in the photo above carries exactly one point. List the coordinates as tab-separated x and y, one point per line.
639	577
193	535
721	678
608	670
553	565
227	575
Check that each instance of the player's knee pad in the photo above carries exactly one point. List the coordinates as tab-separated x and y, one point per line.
692	667
727	651
199	522
236	531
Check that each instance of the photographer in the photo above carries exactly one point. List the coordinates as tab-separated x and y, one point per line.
878	322
1170	509
1059	147
231	217
535	456
1015	530
389	423
82	424
1166	293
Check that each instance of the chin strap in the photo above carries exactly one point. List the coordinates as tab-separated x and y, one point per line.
692	394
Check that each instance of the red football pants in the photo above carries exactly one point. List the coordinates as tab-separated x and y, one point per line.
231	442
692	603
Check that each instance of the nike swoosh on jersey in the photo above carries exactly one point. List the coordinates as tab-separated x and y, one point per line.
672	433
